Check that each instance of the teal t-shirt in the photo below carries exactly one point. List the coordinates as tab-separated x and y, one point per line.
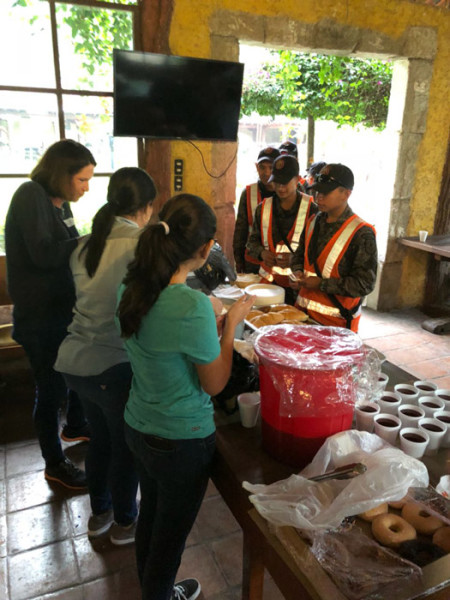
166	397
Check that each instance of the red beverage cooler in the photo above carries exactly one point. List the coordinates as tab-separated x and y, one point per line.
308	388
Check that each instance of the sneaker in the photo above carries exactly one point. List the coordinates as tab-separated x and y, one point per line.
78	434
67	474
122	534
99	524
187	589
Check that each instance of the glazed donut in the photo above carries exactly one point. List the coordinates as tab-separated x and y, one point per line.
369	515
391	530
399	503
441	538
420	519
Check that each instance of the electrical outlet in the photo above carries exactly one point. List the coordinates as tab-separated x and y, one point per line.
178	166
178	183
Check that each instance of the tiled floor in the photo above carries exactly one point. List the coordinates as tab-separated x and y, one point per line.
44	549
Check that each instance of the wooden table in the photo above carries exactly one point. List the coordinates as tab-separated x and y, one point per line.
240	457
438	245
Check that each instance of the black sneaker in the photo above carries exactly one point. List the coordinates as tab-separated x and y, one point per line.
67	474
78	434
187	589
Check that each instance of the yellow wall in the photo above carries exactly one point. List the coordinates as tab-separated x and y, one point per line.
190	35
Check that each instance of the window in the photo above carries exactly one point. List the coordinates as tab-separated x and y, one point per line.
56	82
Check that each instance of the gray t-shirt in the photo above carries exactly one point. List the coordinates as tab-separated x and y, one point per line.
94	344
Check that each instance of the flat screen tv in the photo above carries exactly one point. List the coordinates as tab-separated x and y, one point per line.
176	97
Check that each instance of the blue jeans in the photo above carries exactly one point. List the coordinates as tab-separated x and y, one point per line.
41	346
173	476
110	471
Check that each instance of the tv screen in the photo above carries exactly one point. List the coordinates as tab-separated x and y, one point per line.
176	97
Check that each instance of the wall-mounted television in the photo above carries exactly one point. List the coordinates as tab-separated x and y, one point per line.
176	97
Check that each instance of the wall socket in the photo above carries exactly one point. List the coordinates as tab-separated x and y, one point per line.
178	174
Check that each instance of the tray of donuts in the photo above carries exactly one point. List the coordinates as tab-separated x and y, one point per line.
408	529
275	314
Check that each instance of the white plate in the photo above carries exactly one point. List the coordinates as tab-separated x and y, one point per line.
266	293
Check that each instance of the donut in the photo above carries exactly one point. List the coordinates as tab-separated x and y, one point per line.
420	519
441	538
369	515
399	503
391	530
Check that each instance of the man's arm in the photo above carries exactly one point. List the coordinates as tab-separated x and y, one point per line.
254	244
360	269
240	233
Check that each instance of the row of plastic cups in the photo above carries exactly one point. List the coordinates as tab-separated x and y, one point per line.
435	429
411	394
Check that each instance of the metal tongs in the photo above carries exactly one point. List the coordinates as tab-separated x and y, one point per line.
344	472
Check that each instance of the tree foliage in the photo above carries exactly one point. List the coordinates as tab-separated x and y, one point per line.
345	90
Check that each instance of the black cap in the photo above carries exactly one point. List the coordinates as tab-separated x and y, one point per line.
284	168
316	167
269	154
333	176
289	148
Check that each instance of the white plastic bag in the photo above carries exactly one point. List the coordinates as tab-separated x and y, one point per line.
305	504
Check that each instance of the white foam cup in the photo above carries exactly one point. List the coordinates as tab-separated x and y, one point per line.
410	415
408	393
423	235
431	404
436	431
444	395
249	405
365	412
387	426
414	441
444	417
389	402
383	380
425	388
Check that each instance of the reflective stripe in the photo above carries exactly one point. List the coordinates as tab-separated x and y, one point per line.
266	215
339	245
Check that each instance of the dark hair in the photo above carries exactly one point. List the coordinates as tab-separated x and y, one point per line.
129	190
191	224
60	162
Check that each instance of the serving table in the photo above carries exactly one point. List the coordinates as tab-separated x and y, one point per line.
240	457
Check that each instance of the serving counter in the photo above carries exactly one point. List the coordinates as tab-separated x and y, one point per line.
240	457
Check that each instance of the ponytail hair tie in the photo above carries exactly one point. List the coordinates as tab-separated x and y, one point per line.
166	227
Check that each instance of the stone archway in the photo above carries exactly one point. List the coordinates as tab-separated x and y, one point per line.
414	53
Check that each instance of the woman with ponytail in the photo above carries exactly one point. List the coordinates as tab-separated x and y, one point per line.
178	363
92	357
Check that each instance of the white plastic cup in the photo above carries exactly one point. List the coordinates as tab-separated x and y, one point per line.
389	402
444	417
383	380
387	426
365	412
444	395
436	431
408	393
249	405
425	388
410	415
423	235
414	441
431	404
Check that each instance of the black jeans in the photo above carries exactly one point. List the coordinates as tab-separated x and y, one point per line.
110	471
41	344
173	478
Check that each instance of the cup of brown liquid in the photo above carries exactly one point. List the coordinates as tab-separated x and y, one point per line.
436	431
425	388
410	415
431	404
413	441
408	392
445	396
387	426
365	412
389	402
444	417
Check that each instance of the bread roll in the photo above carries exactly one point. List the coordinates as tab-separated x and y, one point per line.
268	319
293	314
254	313
278	307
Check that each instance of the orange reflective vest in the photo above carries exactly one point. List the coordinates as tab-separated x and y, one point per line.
320	305
253	199
277	274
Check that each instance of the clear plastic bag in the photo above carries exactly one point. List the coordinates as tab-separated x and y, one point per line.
309	505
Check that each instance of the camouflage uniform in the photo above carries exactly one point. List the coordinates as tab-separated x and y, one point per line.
358	267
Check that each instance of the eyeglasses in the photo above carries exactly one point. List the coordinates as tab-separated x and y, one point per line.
322	178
